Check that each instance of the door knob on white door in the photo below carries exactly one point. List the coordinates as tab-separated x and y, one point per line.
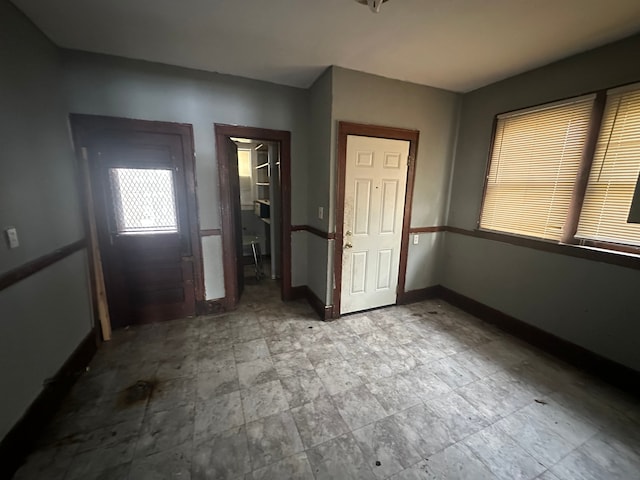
348	245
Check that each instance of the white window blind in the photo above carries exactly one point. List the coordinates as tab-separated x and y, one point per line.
535	159
614	173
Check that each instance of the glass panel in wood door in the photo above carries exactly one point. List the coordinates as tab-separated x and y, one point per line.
143	200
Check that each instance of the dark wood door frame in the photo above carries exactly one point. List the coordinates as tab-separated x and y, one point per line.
283	138
85	127
348	128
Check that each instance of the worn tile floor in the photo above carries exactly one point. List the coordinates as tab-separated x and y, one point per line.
423	391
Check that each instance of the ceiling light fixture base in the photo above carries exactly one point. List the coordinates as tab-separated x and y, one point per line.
374	5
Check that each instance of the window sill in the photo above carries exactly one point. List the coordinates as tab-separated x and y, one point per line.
605	250
588	252
611	247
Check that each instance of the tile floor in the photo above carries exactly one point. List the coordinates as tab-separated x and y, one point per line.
422	391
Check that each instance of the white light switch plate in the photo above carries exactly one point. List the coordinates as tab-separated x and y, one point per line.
416	239
320	213
12	237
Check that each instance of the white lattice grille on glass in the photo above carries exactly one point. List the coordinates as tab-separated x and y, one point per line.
143	200
535	160
614	174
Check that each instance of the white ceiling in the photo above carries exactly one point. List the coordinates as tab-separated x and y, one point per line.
459	45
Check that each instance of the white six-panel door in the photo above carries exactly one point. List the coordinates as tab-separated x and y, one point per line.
375	186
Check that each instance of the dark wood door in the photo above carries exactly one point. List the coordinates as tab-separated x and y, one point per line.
234	187
143	224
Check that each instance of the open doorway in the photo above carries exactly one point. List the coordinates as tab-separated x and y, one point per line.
259	182
255	196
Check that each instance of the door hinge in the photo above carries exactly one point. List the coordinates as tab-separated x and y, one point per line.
409	160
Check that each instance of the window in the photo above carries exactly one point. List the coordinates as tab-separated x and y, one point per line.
614	173
245	172
538	157
143	200
534	162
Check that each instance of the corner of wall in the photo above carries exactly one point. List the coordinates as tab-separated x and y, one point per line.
454	154
47	311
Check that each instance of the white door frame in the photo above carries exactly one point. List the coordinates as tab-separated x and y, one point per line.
345	129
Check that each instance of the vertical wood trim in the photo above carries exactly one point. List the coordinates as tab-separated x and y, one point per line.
285	215
340	192
494	129
582	179
230	273
348	128
188	153
406	222
96	273
98	287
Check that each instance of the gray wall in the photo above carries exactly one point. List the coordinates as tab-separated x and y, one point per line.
363	98
99	84
103	85
586	302
319	185
45	316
